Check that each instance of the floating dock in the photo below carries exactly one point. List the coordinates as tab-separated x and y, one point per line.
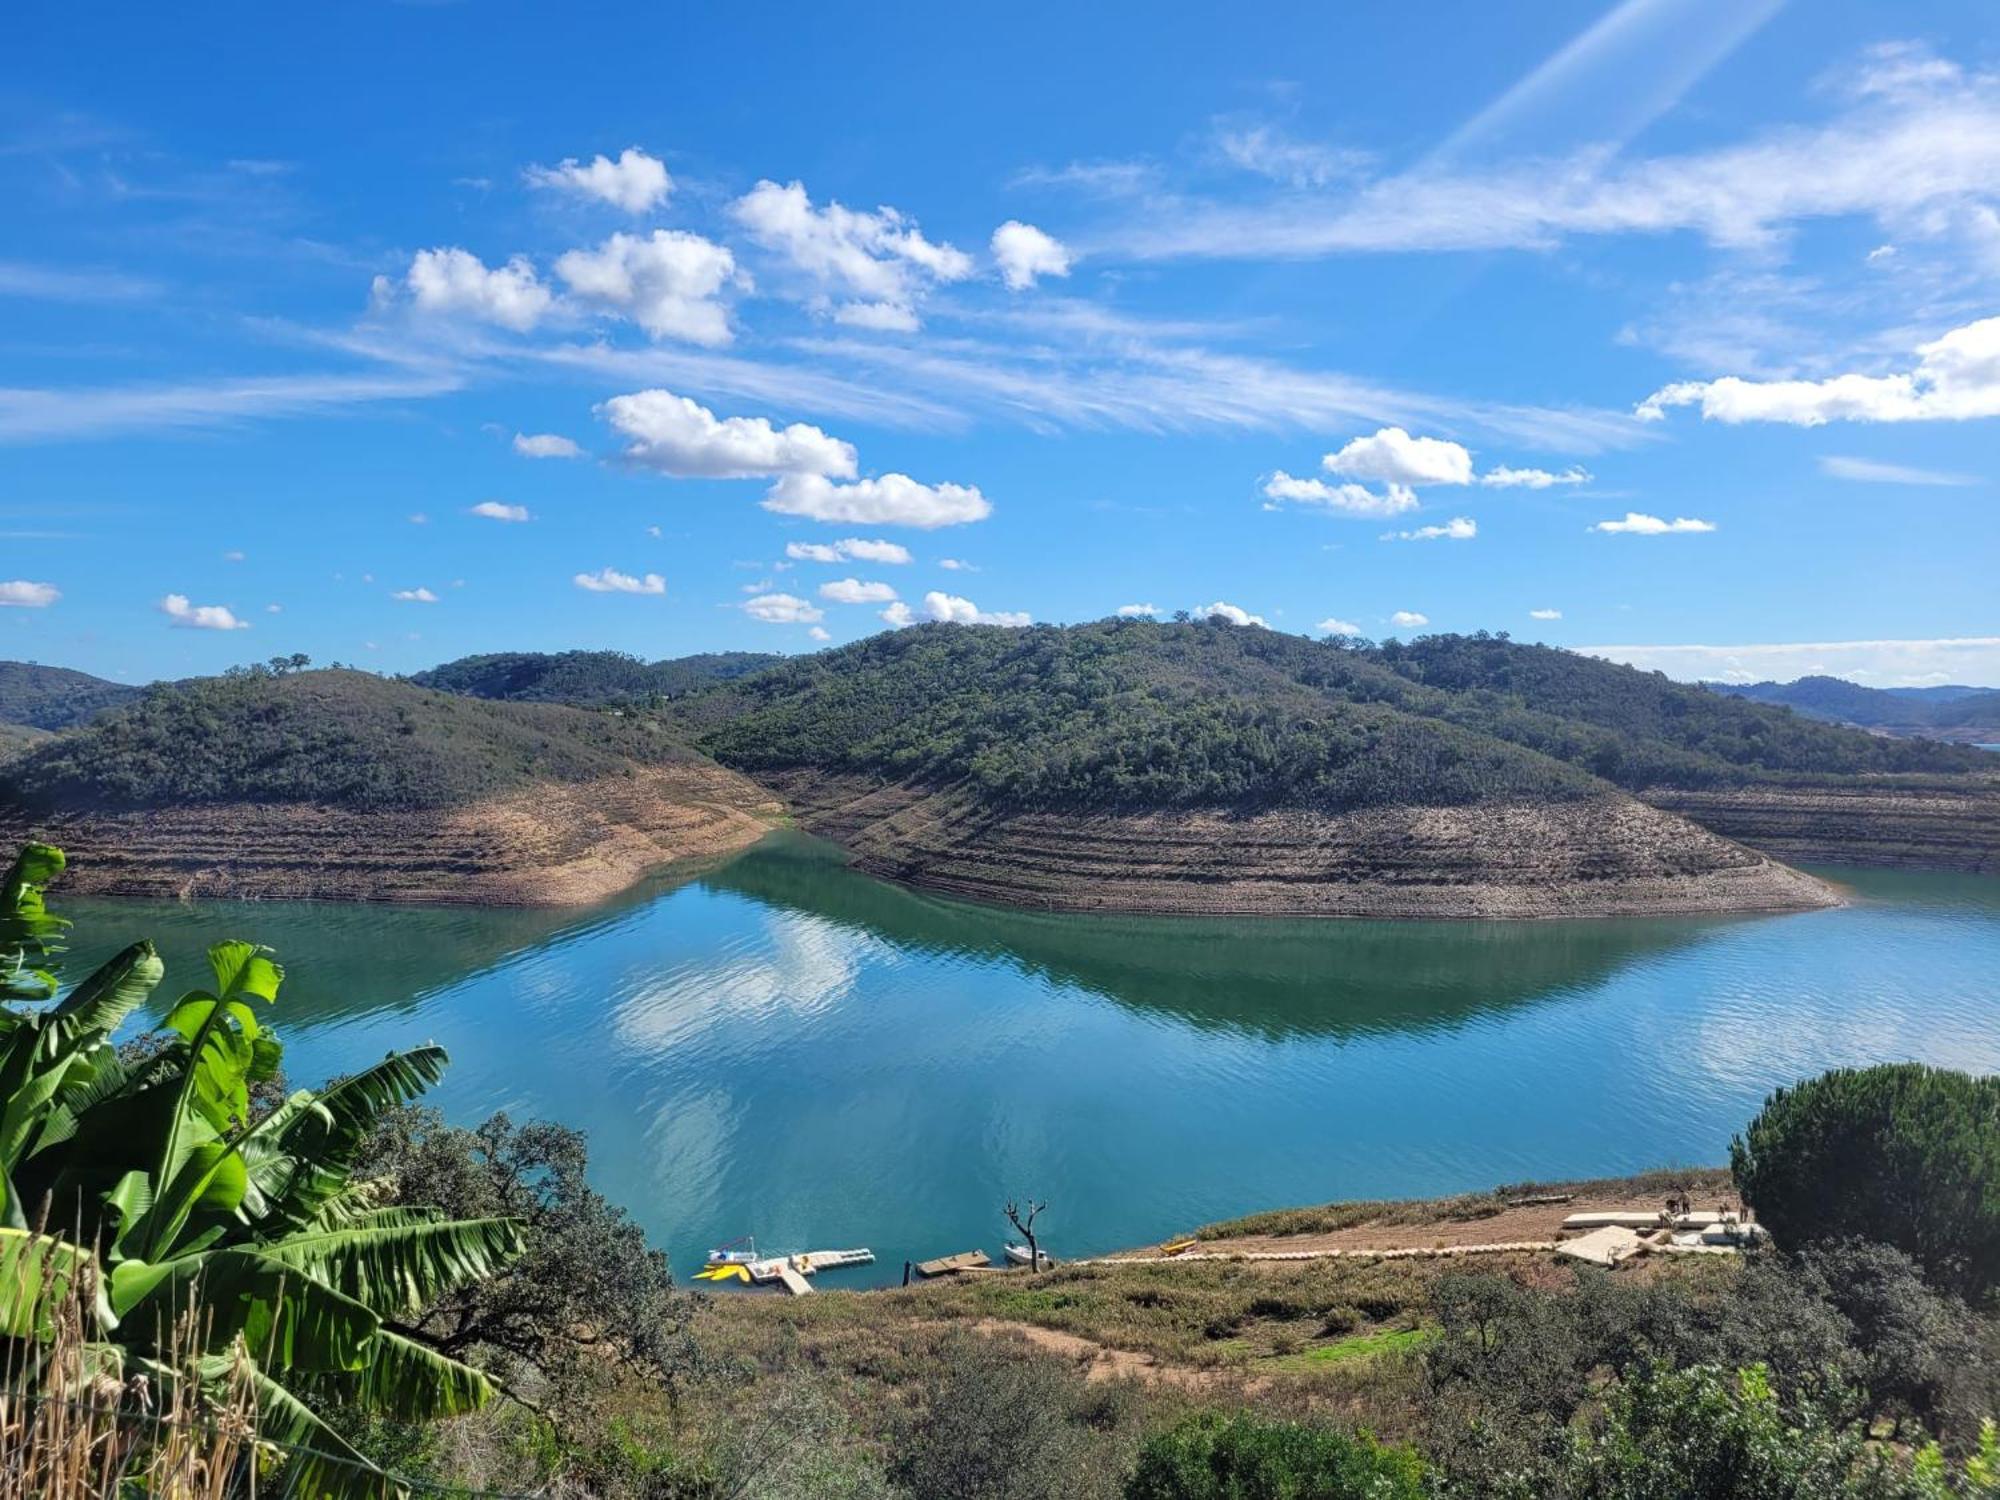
789	1271
951	1265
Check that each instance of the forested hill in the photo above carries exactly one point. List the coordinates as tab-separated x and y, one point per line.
55	697
337	738
1138	713
1643	729
1120	714
587	677
1914	712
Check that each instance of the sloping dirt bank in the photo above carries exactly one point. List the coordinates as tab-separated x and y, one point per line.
1918	826
1609	856
554	844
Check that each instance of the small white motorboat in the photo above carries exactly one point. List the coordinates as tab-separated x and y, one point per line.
1020	1255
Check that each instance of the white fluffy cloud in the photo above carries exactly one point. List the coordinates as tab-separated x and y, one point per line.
855	591
634	182
899	614
178	609
1504	478
1639	524
677	436
1333	625
849	549
1234	614
20	593
1137	611
951	609
783	609
545	445
868	269
1024	252
1545	614
1392	456
1457	529
457	283
892	500
820	633
1956	378
1347	499
1408	619
415	596
1868	471
956	565
666	282
611	581
496	510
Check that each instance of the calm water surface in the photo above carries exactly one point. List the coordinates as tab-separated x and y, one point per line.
786	1048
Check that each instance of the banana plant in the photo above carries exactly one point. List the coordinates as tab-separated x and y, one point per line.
164	1192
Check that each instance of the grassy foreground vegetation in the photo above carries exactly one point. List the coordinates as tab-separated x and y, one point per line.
349	1294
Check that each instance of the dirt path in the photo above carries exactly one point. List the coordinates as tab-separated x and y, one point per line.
1101	1362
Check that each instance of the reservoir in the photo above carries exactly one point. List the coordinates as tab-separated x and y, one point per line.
782	1047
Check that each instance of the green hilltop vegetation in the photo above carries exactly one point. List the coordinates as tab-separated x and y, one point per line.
1909	712
39	697
590	678
337	736
1138	713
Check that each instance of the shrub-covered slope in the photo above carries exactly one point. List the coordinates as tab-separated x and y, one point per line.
1138	713
1641	729
342	785
587	677
55	697
1135	765
1121	715
339	738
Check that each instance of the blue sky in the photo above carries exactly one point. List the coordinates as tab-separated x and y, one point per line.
405	331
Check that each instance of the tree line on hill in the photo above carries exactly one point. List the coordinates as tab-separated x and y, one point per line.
1138	713
1122	714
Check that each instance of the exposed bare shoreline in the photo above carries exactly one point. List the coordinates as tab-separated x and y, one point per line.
1680	853
1607	857
550	845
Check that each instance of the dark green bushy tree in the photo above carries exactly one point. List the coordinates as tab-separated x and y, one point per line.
587	1294
1903	1154
1243	1458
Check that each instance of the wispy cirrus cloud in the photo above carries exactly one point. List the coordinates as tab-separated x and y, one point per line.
1872	471
1908	147
57	413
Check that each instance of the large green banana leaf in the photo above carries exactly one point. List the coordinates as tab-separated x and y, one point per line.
398	1269
288	1320
410	1382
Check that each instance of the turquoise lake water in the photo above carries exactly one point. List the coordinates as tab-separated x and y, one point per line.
785	1048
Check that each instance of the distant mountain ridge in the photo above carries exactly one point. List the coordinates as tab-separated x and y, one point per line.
588	678
1948	712
55	697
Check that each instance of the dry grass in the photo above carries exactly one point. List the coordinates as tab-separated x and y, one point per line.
73	1427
